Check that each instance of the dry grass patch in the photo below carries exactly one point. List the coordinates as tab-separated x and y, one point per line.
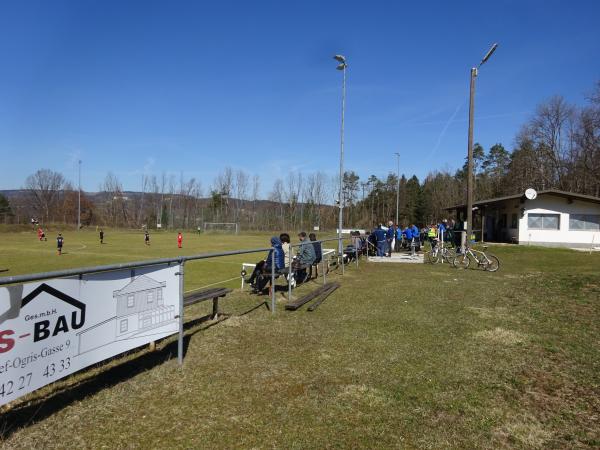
501	336
525	431
499	312
363	394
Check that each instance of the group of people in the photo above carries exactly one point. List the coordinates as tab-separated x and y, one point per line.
385	240
393	238
308	254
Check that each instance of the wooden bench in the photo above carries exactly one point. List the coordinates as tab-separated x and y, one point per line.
194	297
321	294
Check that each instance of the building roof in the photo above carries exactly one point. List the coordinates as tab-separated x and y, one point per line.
140	283
555	192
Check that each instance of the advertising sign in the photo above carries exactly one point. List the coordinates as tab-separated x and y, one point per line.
53	328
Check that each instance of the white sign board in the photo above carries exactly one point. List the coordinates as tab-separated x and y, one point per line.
51	329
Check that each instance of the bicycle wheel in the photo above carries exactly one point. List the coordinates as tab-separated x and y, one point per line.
493	265
449	255
461	261
431	257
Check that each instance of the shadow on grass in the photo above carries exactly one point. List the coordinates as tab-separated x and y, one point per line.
38	409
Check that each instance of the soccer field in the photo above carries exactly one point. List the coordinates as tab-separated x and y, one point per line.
22	252
401	356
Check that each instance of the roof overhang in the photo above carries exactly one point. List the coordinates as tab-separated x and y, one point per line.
569	196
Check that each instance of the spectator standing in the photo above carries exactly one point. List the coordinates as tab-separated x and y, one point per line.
380	238
416	236
389	237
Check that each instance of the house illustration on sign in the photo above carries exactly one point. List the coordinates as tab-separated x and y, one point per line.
140	306
140	310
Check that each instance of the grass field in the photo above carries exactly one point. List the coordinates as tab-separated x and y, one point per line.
401	356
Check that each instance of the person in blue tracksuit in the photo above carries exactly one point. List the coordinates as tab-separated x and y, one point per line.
398	237
407	234
381	240
417	236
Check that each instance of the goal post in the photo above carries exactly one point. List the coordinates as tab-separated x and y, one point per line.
221	227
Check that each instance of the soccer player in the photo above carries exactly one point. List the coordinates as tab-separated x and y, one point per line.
101	236
146	237
179	239
59	244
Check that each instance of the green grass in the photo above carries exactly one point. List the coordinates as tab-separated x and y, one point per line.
401	356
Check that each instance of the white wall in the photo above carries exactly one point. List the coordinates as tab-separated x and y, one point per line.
550	204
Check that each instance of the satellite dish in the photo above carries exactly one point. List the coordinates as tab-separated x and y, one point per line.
531	194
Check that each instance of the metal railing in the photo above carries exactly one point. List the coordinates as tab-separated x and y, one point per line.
180	260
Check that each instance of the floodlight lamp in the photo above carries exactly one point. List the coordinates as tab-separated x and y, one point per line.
488	54
341	66
340	59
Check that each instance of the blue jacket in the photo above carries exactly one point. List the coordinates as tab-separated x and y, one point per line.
398	233
390	233
279	255
379	234
318	252
415	231
408	233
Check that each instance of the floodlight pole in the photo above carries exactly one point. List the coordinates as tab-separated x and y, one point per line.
474	72
398	189
79	200
470	155
342	66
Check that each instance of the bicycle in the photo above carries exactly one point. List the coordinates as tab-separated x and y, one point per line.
440	253
485	260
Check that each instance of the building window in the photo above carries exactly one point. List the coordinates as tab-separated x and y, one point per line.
584	222
159	296
543	221
123	325
150	296
130	301
146	321
514	221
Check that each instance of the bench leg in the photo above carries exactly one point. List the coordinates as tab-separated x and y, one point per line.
215	311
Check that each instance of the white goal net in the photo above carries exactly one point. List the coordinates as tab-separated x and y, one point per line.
219	227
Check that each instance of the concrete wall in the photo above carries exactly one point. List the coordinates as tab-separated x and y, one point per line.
563	237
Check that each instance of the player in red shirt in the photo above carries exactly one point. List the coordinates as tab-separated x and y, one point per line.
179	239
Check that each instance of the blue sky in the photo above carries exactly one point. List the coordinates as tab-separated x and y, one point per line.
150	87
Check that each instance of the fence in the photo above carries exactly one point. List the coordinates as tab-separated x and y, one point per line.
12	280
175	266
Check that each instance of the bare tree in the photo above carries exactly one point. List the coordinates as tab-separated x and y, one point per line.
277	195
241	192
255	192
44	187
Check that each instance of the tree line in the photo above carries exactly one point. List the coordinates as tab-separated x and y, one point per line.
558	147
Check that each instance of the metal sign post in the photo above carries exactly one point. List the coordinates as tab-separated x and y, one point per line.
323	264
289	273
180	338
